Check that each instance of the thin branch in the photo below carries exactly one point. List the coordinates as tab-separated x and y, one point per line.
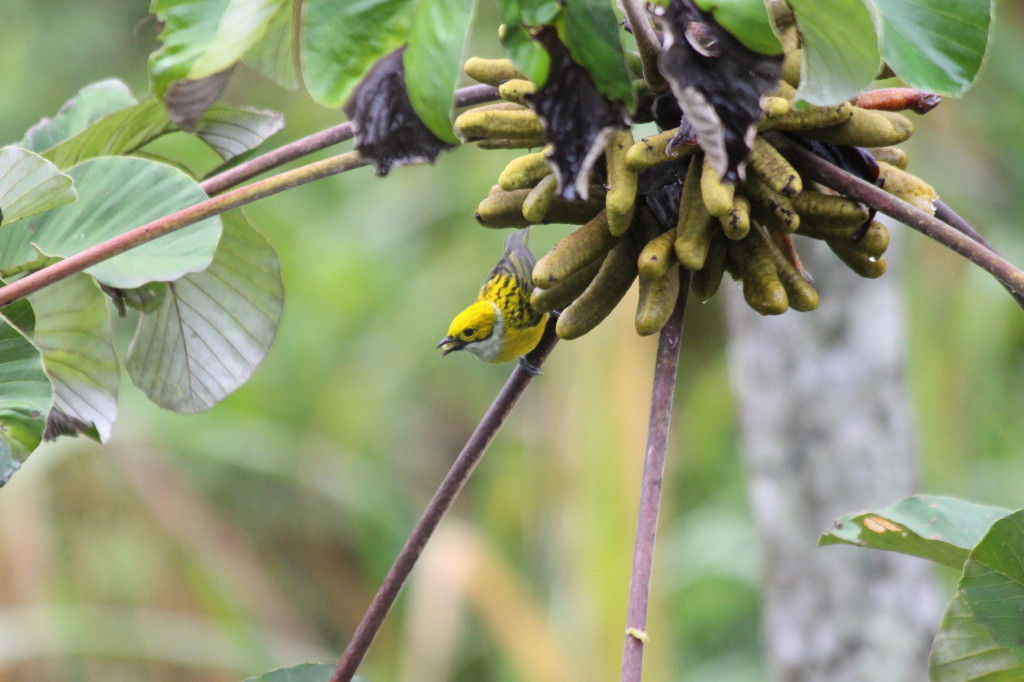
646	41
650	488
176	221
215	184
439	505
818	169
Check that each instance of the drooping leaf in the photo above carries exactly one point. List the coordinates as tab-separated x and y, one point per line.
74	335
30	184
388	131
433	61
25	393
940	529
718	83
340	40
212	328
117	194
992	584
747	20
232	131
590	31
89	105
276	55
304	672
577	118
935	45
964	651
187	100
840	49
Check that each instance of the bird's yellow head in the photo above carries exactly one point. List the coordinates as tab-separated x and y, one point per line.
474	330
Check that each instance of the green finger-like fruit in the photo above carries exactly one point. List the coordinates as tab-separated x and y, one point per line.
910	188
505	209
610	284
540	200
776	210
773	168
652	150
736	223
567	291
491	71
694	228
717	195
706	281
810	118
621	198
857	260
501	123
866	128
762	289
657	300
516	90
582	246
525	171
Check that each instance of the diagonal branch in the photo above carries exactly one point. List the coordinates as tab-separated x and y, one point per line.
646	41
650	488
439	505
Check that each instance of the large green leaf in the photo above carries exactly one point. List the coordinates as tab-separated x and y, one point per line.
529	57
993	582
275	54
433	61
25	393
940	529
204	37
117	194
935	45
73	334
30	184
963	651
92	103
840	49
341	39
213	328
747	20
590	30
303	672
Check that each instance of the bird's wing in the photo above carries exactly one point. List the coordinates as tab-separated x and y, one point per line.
517	263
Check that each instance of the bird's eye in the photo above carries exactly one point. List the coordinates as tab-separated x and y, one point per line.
468	331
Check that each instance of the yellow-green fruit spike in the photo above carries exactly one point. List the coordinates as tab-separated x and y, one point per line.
774	169
516	90
584	245
694	228
818	227
774	107
609	286
791	63
762	289
910	188
540	200
495	189
706	281
773	208
621	198
564	293
810	118
657	299
491	71
902	125
865	128
857	260
510	143
650	151
736	223
810	204
890	155
513	124
785	91
505	209
874	241
658	255
717	196
802	295
525	171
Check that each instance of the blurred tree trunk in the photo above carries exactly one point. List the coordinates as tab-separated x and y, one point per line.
826	428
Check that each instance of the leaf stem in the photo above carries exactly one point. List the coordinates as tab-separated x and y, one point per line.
176	221
439	505
820	170
646	41
662	395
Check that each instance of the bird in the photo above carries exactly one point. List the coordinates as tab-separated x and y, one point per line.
501	325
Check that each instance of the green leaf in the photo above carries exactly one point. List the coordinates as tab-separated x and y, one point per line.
747	20
117	194
275	54
590	30
304	672
963	651
935	45
92	103
25	393
992	584
340	40
204	37
528	56
433	61
940	529
29	184
213	328
232	131
74	335
840	49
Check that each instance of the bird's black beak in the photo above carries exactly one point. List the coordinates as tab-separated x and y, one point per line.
450	343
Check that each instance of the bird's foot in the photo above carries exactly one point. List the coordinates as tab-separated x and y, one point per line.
531	369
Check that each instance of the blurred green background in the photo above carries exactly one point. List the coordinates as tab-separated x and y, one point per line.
217	546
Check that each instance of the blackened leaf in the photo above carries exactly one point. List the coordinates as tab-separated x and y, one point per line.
591	32
388	131
719	84
661	186
577	118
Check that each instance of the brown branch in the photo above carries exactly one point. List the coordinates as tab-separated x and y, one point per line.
650	488
646	41
815	168
439	505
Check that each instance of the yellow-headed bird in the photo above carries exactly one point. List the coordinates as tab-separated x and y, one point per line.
501	325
